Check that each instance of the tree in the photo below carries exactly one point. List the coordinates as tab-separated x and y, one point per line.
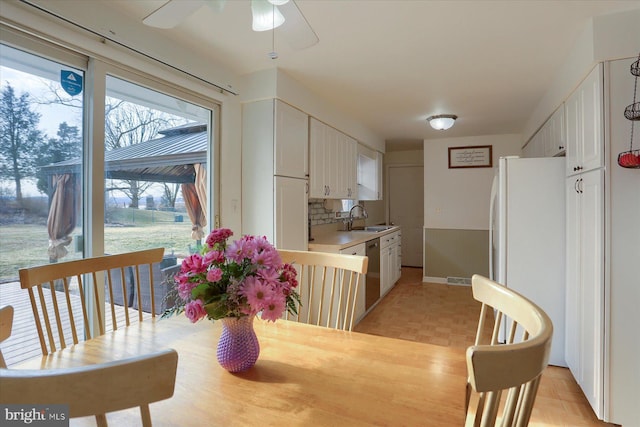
20	138
65	147
169	195
129	124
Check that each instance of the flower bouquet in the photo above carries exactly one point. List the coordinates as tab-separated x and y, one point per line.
234	282
243	278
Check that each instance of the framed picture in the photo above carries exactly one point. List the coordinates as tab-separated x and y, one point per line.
479	156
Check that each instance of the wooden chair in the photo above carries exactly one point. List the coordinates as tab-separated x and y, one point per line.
329	285
6	323
96	389
65	315
516	365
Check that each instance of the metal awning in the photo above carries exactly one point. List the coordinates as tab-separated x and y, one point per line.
169	158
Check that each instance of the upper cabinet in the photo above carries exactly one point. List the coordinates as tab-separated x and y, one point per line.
584	118
332	163
555	136
291	156
550	140
369	174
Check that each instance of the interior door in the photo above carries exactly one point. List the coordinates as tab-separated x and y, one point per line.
406	209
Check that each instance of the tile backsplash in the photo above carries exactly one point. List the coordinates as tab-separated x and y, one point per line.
318	214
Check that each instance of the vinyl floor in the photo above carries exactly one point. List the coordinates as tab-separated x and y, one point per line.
447	315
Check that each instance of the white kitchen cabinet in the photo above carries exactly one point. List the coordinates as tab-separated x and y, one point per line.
584	351
555	134
274	166
332	163
390	261
369	173
584	119
550	139
291	216
291	143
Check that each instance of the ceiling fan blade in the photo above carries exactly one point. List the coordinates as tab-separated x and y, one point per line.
296	29
172	13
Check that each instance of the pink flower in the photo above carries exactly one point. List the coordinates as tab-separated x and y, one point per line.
193	264
184	285
214	257
214	275
256	291
219	235
194	310
273	308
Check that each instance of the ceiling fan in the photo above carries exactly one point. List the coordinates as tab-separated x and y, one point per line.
266	15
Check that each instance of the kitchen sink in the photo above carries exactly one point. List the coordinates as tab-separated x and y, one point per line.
374	228
378	228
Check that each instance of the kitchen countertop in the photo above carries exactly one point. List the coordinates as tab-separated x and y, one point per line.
338	240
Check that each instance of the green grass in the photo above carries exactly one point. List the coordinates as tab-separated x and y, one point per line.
25	245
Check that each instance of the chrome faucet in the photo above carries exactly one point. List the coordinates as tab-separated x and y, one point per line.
350	221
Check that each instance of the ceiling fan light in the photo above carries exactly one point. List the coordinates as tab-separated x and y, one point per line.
278	2
265	16
442	121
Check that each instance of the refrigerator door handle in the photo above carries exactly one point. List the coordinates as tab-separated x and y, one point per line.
494	193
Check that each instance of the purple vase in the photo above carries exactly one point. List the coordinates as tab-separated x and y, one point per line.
238	348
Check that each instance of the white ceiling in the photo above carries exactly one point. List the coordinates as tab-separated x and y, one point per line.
391	63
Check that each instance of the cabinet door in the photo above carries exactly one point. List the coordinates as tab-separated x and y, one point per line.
317	148
573	291
592	143
291	141
555	142
291	207
346	166
584	348
584	108
592	292
573	120
385	270
332	164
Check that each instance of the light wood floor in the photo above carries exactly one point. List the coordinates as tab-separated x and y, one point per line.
448	315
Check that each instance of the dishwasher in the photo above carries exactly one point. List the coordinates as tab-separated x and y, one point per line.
372	289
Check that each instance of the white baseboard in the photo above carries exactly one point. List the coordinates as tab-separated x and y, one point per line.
445	281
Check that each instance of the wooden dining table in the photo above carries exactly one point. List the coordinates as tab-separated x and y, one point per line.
305	376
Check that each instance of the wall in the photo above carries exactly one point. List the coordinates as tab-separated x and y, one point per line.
623	193
456	207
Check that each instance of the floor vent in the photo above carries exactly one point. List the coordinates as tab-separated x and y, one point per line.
458	281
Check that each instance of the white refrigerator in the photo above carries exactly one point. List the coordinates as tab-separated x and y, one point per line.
527	236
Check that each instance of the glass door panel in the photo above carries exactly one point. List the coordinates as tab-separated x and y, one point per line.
41	181
156	186
41	110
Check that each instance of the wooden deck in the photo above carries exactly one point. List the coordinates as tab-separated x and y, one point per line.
23	343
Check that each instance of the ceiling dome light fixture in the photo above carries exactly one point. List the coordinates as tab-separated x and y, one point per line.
442	121
278	2
266	15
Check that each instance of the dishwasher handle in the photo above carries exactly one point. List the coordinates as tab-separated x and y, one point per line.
372	245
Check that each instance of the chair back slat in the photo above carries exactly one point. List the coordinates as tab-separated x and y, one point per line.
61	323
6	326
514	366
328	286
96	390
